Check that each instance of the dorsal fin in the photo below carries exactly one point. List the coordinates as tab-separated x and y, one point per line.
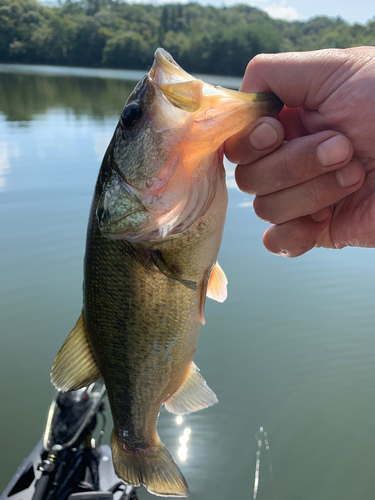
217	284
193	395
75	366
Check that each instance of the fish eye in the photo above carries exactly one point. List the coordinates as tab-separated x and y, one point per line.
130	115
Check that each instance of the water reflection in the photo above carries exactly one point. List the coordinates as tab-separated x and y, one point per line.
4	163
261	439
24	97
183	439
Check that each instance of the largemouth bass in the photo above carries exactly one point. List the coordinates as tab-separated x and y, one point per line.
154	233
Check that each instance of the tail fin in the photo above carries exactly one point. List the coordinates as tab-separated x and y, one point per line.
154	467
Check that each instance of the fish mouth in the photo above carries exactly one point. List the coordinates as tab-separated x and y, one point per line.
204	111
198	111
189	93
166	70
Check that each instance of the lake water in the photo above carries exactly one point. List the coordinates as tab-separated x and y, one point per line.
292	349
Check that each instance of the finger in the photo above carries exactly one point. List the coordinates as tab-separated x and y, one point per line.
311	196
298	236
290	119
353	119
260	138
298	78
295	162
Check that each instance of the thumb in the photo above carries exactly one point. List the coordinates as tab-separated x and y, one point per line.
297	78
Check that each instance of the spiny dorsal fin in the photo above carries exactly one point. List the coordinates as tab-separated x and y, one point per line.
169	273
193	395
217	284
75	366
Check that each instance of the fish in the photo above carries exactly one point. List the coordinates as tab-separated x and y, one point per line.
154	233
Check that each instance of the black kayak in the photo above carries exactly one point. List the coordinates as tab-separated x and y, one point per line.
68	463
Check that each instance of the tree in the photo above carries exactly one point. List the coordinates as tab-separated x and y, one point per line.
127	50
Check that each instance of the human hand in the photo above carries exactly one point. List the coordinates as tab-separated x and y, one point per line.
318	187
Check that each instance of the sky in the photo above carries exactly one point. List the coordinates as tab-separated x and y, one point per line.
293	10
359	11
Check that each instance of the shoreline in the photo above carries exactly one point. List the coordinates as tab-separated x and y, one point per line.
232	82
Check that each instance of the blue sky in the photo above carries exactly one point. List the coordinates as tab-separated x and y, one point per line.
352	11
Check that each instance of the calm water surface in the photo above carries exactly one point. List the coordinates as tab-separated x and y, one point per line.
292	349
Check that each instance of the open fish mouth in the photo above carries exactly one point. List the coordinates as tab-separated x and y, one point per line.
168	151
185	91
166	70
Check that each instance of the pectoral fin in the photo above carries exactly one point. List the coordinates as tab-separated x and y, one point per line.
217	284
75	366
193	395
169	273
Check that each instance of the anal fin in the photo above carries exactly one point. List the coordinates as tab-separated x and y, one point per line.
75	366
193	395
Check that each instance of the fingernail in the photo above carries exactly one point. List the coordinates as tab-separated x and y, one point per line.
349	175
321	215
333	151
263	136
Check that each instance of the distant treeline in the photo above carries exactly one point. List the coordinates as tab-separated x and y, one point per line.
112	33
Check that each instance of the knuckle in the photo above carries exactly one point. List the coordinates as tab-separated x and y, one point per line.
312	193
296	167
230	149
297	162
287	171
257	61
261	209
260	59
244	181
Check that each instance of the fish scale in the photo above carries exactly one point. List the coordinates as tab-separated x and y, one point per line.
130	319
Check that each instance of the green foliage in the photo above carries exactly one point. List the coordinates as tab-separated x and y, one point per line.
117	34
127	49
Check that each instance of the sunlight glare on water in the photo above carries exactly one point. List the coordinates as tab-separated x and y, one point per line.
183	439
